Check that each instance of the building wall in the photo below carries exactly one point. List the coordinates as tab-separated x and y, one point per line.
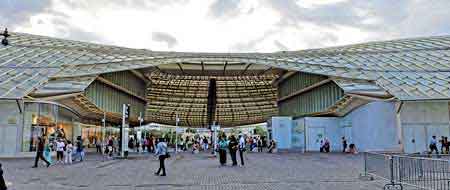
374	127
10	127
110	99
127	80
298	81
319	128
281	131
420	121
317	99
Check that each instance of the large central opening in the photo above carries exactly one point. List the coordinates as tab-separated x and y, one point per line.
201	93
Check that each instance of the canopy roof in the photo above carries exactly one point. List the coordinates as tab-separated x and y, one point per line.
408	69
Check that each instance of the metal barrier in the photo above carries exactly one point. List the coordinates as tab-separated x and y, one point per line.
418	171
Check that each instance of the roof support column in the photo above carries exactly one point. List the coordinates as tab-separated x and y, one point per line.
212	101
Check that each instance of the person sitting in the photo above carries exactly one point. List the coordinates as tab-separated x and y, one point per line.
352	149
272	146
326	145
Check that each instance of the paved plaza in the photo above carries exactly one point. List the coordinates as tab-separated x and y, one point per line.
200	171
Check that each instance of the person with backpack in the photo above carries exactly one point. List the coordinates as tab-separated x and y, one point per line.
162	154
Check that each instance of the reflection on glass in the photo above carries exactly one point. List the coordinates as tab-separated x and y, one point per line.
48	120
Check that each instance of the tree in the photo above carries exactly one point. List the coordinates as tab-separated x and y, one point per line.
260	131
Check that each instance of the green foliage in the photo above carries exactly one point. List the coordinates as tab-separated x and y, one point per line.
190	130
260	131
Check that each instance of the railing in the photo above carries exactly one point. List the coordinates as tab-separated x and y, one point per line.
419	171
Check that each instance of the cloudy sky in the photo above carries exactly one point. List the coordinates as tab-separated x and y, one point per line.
227	25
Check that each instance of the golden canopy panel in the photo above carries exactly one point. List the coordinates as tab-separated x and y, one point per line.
243	94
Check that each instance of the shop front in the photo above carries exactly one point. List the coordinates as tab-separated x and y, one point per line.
91	134
24	121
49	120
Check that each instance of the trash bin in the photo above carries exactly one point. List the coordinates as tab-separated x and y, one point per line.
125	154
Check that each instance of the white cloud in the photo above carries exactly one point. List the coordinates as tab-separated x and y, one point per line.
165	38
227	25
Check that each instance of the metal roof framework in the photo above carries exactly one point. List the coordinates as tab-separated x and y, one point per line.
407	69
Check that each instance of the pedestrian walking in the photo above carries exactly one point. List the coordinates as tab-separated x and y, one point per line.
447	145
2	180
144	144
60	146
151	147
98	145
223	145
241	148
344	144
116	145
40	153
79	149
162	154
433	145
233	147
69	152
260	145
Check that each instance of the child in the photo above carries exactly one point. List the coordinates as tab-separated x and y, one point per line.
69	151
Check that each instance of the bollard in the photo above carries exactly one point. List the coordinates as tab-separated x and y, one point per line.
392	185
2	180
365	164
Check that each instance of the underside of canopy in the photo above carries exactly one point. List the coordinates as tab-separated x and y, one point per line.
178	82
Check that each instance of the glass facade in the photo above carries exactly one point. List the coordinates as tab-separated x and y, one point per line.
49	120
93	133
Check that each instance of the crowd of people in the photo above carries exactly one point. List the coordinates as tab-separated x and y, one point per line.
232	145
66	152
443	143
325	146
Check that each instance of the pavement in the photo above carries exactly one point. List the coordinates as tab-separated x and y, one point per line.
283	171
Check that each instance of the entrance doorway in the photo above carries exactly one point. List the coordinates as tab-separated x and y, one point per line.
315	135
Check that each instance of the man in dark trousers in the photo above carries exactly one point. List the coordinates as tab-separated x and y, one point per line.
2	180
241	148
344	144
40	153
233	146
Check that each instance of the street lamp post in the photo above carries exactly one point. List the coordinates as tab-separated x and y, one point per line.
176	133
103	133
138	136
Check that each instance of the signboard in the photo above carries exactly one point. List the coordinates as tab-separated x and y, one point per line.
179	130
215	127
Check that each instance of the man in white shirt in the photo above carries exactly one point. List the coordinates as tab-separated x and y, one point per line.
241	148
60	151
433	145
